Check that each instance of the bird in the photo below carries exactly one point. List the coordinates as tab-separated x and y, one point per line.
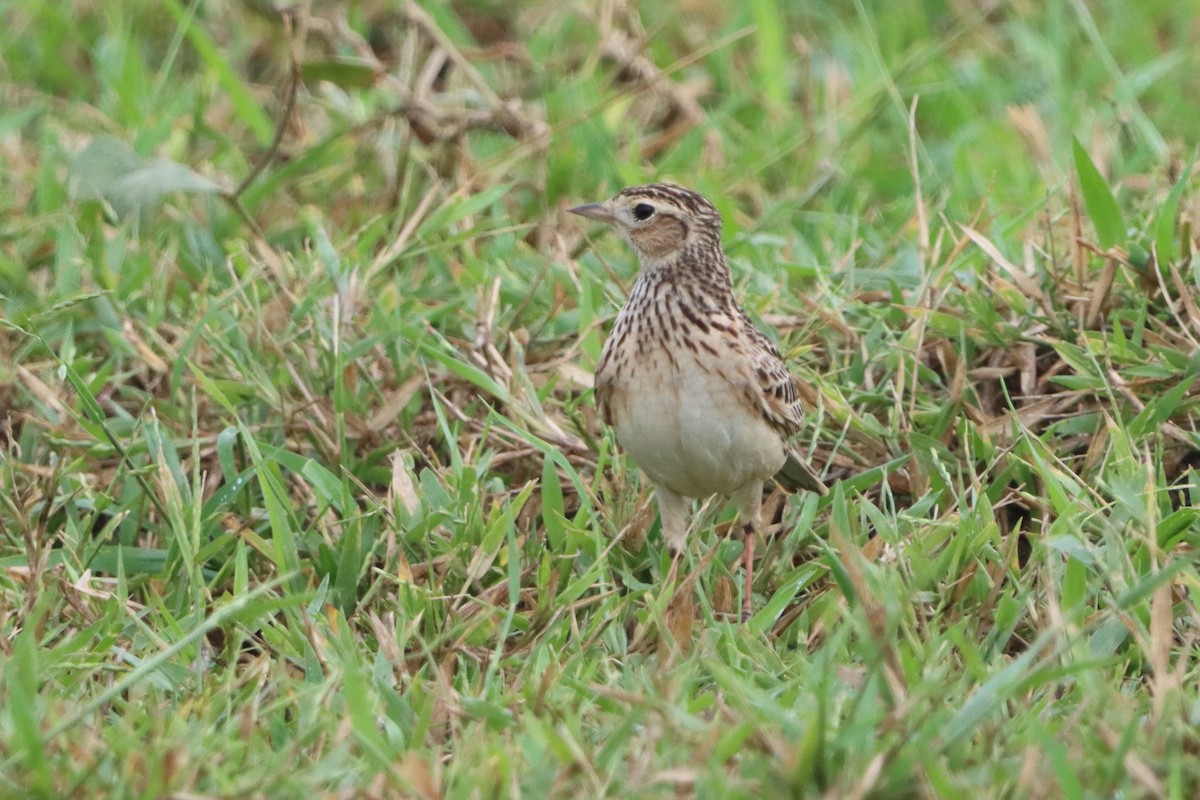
697	395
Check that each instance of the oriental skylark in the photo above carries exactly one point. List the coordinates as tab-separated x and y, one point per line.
700	399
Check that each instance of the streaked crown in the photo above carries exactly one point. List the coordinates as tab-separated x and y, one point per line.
670	197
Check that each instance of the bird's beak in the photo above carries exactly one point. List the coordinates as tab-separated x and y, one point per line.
597	211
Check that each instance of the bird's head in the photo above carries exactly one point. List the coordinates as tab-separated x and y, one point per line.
659	220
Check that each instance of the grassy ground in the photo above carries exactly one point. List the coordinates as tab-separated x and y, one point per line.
302	492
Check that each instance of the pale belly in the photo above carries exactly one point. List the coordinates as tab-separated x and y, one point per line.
694	435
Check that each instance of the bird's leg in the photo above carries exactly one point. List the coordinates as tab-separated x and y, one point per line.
674	510
749	503
749	538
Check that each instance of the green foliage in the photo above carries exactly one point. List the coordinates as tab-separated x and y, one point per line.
1101	205
302	489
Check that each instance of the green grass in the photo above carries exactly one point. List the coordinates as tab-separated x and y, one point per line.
302	490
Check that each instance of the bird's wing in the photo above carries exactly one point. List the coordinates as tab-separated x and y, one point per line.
779	399
781	406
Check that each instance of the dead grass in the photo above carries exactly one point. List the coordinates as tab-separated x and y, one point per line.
303	487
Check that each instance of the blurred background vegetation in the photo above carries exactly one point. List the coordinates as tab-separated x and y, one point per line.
301	486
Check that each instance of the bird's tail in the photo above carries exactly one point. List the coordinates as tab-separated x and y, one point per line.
796	474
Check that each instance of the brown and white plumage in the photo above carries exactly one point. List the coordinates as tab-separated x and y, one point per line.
699	397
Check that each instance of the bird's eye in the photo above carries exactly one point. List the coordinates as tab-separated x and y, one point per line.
643	211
